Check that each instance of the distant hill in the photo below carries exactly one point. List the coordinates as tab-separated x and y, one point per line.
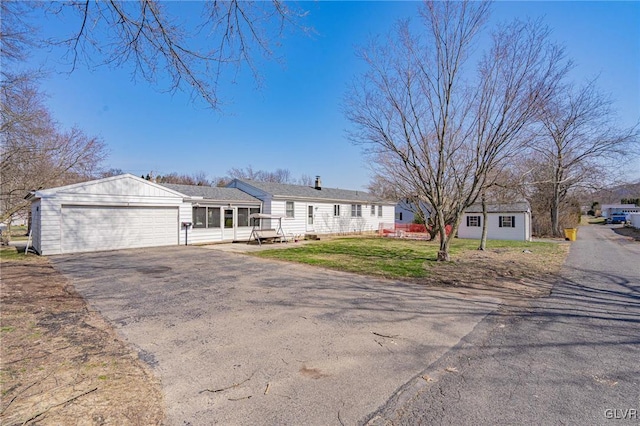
614	194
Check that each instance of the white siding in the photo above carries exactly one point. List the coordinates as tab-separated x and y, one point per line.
35	226
214	235
324	222
95	228
634	218
521	231
49	227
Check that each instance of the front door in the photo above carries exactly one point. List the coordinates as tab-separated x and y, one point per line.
229	228
310	218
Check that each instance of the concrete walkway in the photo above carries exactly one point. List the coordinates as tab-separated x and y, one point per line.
246	341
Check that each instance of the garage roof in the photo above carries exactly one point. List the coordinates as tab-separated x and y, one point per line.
212	192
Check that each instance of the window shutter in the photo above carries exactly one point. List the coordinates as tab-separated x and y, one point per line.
513	221
467	220
499	221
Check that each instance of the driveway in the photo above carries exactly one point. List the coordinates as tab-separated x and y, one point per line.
240	340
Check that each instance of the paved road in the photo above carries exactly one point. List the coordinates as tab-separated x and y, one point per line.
298	341
572	358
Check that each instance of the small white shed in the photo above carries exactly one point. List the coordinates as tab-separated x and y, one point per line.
112	213
510	221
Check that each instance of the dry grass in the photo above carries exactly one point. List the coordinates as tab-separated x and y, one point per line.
61	363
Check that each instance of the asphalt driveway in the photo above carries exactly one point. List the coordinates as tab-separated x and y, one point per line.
303	345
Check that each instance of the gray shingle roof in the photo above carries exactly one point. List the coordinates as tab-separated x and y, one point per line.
521	206
309	192
211	192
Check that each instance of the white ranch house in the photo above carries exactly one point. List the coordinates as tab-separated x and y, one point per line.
505	222
318	210
129	212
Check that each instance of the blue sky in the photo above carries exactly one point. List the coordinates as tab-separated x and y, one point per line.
294	120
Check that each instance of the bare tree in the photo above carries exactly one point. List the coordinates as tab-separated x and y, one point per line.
578	141
161	42
430	129
34	152
15	32
276	176
199	178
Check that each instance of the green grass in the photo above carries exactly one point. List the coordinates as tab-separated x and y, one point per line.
387	257
12	254
596	220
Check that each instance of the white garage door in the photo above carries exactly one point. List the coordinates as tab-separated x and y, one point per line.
95	228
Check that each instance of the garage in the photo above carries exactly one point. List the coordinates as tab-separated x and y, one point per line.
113	213
96	228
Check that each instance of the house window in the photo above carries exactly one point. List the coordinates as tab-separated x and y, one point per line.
310	215
255	221
473	221
199	217
373	210
336	209
356	210
399	216
507	222
206	217
379	211
289	209
243	216
213	217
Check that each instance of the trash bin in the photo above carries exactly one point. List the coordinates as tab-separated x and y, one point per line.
570	234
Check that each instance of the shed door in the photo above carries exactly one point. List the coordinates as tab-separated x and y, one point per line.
95	228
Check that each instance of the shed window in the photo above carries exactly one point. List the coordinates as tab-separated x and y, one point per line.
507	222
336	209
373	210
379	211
473	221
356	210
290	210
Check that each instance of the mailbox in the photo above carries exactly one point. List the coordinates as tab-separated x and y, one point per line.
186	226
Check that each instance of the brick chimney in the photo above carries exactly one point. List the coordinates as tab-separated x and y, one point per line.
318	185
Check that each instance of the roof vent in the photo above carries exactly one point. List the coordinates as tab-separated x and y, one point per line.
318	183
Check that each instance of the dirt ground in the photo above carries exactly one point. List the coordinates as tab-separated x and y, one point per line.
62	364
507	273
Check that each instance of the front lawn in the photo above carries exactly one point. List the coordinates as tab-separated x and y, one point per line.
402	259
